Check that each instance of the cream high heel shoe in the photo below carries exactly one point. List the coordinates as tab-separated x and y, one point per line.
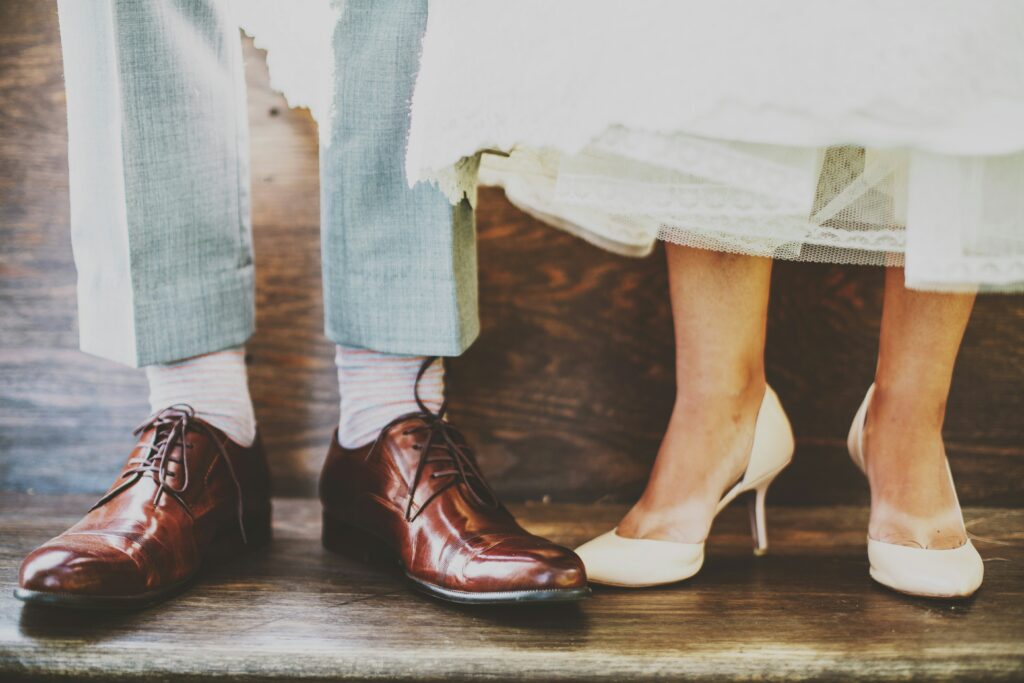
951	573
614	560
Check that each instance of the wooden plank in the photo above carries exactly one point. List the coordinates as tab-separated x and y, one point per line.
805	611
565	393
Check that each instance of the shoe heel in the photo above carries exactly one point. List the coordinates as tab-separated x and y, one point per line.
345	539
758	520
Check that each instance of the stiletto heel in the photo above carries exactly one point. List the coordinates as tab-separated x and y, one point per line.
951	573
634	562
758	521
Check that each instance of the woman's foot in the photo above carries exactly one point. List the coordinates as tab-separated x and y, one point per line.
704	452
715	449
913	502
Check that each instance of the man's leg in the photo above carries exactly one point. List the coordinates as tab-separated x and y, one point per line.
158	155
399	264
399	288
161	235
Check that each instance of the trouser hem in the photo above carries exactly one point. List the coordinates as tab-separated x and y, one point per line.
176	324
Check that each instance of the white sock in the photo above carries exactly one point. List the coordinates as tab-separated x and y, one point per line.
378	387
215	385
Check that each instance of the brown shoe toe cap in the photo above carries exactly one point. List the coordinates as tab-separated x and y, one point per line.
526	564
67	569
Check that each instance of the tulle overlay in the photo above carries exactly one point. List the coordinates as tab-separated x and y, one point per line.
954	222
849	131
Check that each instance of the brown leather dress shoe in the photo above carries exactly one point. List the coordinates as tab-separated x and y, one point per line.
416	495
185	488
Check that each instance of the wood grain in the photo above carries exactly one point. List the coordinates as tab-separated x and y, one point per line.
566	392
806	611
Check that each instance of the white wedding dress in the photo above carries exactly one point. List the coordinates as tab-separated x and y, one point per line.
848	131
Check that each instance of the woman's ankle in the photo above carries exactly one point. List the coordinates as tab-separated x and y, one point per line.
714	393
908	403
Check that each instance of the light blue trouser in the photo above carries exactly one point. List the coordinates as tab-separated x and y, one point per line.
158	155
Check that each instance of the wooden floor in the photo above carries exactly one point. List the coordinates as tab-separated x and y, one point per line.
805	611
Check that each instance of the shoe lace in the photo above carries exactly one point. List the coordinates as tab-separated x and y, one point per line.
443	445
172	424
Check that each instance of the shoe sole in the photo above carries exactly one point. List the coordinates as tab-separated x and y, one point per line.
101	602
881	579
547	596
355	543
225	544
655	584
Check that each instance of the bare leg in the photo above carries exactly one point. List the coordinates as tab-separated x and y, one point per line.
720	307
912	498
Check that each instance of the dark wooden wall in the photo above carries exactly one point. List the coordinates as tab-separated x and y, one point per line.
565	393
